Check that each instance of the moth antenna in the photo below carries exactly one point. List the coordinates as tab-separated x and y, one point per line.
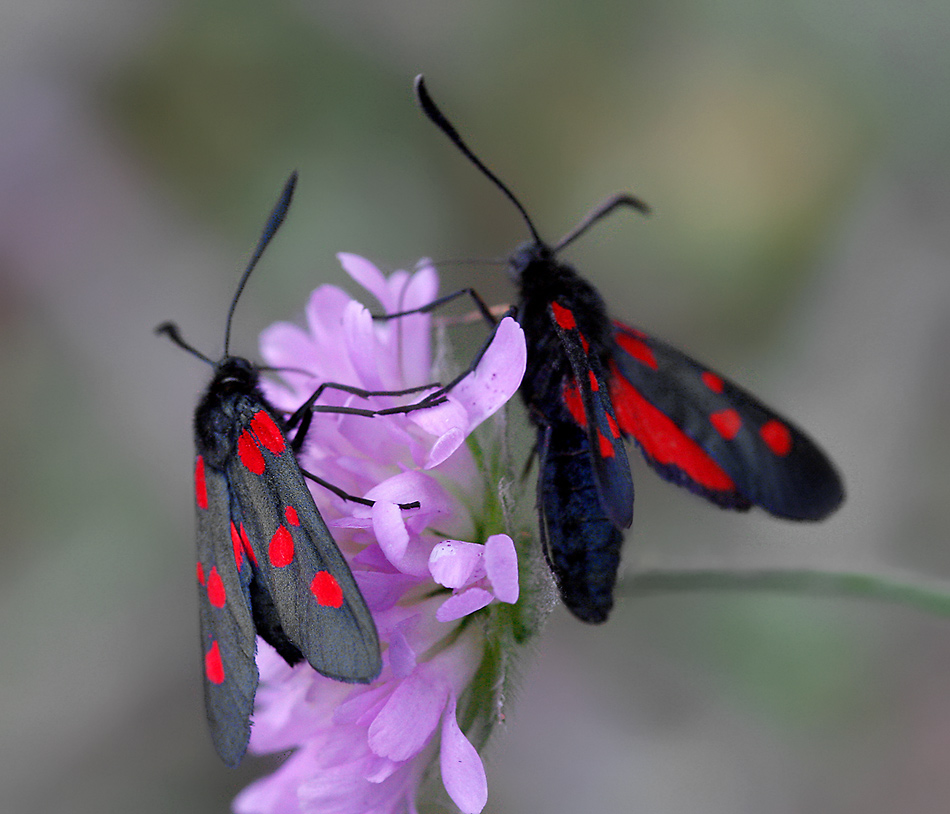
438	119
599	212
277	215
170	329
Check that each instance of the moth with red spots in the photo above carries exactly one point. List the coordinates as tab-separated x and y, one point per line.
592	381
267	564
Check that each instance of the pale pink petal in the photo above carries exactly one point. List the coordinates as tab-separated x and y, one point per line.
445	447
381	590
409	717
469	601
359	335
409	487
368	276
498	375
324	314
415	330
390	530
359	705
454	563
441	418
501	566
402	658
377	769
421	289
462	769
343	789
274	794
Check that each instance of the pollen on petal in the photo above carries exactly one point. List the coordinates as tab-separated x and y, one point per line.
777	437
326	590
281	550
267	432
201	488
250	454
214	668
216	593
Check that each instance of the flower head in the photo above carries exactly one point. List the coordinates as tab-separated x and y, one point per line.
425	573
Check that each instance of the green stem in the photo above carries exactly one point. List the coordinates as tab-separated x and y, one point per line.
798	583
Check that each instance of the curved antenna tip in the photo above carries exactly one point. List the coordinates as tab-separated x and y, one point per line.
438	118
274	221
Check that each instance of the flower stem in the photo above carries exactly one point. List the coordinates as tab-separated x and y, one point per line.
797	583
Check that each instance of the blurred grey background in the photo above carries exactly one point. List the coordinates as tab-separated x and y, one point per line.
796	154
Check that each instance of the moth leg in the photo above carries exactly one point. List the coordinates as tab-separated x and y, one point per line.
306	410
484	310
347	496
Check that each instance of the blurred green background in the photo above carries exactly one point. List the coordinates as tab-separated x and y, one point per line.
796	155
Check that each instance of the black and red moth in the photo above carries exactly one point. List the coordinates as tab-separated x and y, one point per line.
267	564
591	382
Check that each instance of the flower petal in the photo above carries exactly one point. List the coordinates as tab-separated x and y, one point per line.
443	449
501	566
454	563
390	530
359	335
402	658
462	771
455	607
368	276
498	375
409	717
415	331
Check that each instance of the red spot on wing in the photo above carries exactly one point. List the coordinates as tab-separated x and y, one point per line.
637	348
713	382
291	514
584	343
237	546
326	589
606	447
727	423
214	668
594	385
267	432
563	317
201	488
216	593
281	549
247	545
660	439
574	403
614	429
250	453
200	572
621	328
777	437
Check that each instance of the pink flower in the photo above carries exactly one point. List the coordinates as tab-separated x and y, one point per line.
365	749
